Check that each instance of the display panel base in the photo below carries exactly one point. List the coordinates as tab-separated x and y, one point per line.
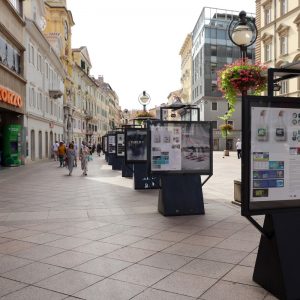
141	179
111	158
106	157
181	195
127	170
117	163
278	259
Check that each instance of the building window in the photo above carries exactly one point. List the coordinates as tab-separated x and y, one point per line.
214	124
267	15
39	62
283	45
213	50
283	7
9	56
230	122
213	68
214	106
268	52
17	4
284	87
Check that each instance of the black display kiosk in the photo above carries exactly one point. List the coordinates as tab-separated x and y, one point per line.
271	187
136	155
179	152
111	145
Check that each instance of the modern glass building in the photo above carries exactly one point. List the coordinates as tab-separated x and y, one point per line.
211	51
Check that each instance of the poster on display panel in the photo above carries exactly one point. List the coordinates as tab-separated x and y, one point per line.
180	147
104	146
120	141
111	143
135	145
271	177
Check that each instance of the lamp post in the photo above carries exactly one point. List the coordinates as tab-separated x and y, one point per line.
144	99
243	33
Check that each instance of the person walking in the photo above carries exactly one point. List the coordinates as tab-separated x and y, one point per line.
61	153
55	149
76	154
238	146
98	149
70	158
84	157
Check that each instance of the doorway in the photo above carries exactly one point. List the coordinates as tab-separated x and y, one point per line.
32	145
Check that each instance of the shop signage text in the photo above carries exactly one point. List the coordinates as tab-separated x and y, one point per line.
10	97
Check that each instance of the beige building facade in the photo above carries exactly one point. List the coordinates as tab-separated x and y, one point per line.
186	69
12	77
278	43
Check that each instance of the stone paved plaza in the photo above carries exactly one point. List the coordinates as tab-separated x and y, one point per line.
94	237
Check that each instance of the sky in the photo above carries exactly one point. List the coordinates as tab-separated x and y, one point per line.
135	44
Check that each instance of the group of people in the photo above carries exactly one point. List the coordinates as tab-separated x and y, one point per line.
67	155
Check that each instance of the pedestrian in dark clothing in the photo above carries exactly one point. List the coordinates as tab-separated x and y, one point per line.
98	149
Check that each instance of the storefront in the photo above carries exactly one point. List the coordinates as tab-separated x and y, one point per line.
12	133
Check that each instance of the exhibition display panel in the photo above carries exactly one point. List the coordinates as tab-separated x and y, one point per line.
271	155
135	145
180	147
111	143
120	142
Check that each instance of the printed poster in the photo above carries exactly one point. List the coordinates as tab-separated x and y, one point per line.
275	154
180	147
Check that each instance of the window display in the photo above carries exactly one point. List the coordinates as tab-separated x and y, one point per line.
135	145
181	147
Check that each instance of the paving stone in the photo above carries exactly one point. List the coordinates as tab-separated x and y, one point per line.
234	291
185	284
8	263
7	286
150	294
141	275
110	289
69	282
34	293
103	266
33	273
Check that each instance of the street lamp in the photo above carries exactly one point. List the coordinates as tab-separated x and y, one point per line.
243	32
144	99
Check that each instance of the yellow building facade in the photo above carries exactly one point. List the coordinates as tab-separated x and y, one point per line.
278	43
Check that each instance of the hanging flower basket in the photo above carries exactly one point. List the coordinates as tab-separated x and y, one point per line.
226	129
239	77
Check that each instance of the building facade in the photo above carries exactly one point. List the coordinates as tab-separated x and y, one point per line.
211	51
45	86
59	21
12	83
278	43
186	69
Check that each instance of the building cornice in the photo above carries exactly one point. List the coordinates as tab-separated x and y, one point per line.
42	41
19	18
7	33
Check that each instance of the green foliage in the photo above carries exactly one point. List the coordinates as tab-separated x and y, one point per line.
239	77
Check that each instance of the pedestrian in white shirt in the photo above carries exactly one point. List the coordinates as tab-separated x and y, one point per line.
55	150
238	146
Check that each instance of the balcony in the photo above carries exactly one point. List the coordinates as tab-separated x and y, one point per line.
88	116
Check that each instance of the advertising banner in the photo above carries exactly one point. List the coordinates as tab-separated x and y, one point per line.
273	160
120	137
181	147
135	145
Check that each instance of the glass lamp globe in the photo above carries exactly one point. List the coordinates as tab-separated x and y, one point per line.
242	35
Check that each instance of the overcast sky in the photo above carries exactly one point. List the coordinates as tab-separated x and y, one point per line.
135	44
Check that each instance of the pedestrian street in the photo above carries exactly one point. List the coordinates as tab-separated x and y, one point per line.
95	237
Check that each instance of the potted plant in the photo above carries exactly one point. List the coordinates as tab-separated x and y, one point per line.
239	78
225	131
